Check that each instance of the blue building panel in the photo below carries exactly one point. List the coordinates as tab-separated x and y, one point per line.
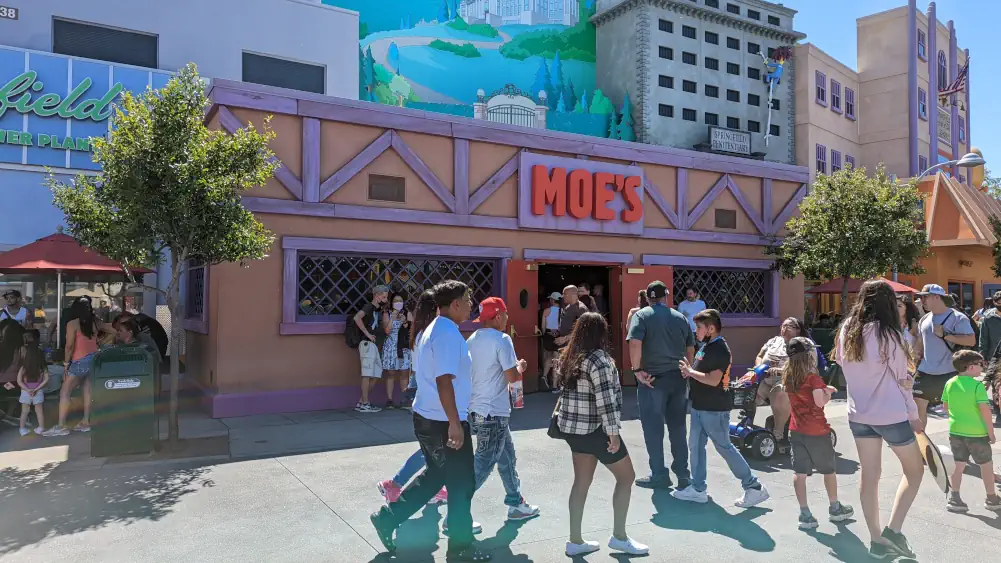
12	64
51	73
99	75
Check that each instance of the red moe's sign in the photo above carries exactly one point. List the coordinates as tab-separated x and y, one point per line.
569	194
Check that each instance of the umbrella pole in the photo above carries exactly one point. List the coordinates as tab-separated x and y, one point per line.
59	304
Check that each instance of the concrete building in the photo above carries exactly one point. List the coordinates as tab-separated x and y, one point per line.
524	12
690	64
890	110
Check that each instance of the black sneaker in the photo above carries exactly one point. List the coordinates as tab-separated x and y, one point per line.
956	504
807	522
878	551
682	484
470	553
898	543
993	503
389	406
384	532
841	513
651	482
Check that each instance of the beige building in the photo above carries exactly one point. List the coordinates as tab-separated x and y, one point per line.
890	110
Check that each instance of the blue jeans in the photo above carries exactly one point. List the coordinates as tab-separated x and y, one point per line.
715	426
494	446
411	467
665	403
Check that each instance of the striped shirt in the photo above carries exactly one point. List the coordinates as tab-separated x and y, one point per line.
594	400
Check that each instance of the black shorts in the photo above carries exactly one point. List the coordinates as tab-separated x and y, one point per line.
930	387
964	448
811	453
596	444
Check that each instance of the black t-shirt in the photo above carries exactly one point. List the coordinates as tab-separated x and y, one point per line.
713	356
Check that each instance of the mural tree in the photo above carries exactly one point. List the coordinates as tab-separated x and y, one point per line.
393	58
170	189
601	104
543	81
369	72
400	88
559	85
582	104
625	130
443	13
561	106
570	93
613	126
363	92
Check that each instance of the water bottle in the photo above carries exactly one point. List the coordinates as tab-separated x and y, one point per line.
517	392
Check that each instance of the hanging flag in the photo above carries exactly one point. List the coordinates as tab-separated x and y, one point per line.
959	84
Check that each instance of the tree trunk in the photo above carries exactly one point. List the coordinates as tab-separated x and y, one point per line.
844	295
176	330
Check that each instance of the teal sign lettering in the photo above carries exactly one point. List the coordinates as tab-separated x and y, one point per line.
18	95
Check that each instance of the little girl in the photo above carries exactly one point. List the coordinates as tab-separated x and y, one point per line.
32	377
809	432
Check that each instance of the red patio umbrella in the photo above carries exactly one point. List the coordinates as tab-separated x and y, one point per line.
834	286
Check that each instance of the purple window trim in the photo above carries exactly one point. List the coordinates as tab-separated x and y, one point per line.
335	324
821	88
922	104
943	71
200	324
835	96
821	159
962	131
922	46
923	163
850	103
835	161
849	160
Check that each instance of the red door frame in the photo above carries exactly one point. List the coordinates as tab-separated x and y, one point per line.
630	280
523	276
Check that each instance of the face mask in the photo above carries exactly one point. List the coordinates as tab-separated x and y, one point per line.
398	306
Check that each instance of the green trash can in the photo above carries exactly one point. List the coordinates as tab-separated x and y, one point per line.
123	419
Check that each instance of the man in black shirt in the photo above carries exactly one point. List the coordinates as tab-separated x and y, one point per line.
709	382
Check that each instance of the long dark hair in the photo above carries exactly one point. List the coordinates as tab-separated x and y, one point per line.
911	313
643	300
876	303
590	333
424	312
82	311
32	357
11	340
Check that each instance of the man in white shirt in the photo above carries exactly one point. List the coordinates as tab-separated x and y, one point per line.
13	308
494	365
691	306
440	408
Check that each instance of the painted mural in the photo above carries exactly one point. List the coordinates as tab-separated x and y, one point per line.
437	54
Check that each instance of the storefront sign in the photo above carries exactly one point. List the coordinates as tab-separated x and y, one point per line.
569	194
127	383
730	141
17	95
944	125
25	139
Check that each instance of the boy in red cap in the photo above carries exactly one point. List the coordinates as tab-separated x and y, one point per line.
495	364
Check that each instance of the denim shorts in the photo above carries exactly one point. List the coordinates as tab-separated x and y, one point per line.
898	434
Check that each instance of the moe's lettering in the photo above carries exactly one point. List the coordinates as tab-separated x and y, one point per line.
582	194
19	95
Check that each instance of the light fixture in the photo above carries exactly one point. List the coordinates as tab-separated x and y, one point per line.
970	160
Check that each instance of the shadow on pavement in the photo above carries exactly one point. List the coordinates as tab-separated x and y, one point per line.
843	465
673	514
844	545
500	544
77	501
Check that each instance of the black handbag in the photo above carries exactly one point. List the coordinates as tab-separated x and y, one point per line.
554	431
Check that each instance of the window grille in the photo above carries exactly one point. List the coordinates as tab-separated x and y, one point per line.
731	292
194	305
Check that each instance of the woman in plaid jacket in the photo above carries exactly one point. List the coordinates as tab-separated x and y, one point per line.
588	415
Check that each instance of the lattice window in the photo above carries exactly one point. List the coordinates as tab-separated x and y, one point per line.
334	286
194	305
731	292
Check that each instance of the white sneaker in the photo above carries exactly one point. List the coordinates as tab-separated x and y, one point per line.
24	431
574	549
691	495
628	545
56	431
523	511
477	527
752	497
38	430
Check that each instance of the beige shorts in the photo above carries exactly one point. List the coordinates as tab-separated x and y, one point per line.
768	384
371	361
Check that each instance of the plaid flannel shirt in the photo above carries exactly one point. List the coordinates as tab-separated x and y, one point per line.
595	401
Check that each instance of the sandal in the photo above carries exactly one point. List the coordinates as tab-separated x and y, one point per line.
471	553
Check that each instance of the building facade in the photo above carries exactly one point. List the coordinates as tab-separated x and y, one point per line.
524	12
827	133
690	65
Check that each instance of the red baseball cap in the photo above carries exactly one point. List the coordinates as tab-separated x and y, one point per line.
490	307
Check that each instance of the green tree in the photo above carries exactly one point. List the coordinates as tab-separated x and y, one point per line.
992	184
170	186
400	88
561	107
613	125
853	225
601	104
559	85
625	131
369	71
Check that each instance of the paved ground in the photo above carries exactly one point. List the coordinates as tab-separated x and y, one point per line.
314	507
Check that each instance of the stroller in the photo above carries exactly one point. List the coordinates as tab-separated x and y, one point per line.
746	435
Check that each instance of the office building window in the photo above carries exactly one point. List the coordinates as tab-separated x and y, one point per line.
666	26
712	38
733	68
688	31
712	119
753	100
753	73
665	110
754	15
666	53
849	160
104	43
821	88
922	163
712	3
774	130
666	81
270	71
771	52
733	95
733	9
753	48
836	96
711	63
733	123
773	20
943	73
922	104
712	91
922	46
689	86
962	130
835	161
849	103
776	104
688	114
821	159
733	43
753	126
689	58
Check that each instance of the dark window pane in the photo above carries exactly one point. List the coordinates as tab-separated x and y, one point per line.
104	44
269	71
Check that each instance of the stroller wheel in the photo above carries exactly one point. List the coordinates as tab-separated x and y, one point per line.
763	446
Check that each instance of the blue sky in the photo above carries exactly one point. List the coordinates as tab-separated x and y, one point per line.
976	21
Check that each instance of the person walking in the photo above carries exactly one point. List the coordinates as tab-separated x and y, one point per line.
659	338
32	378
588	417
396	322
368	321
881	408
440	424
990	348
494	365
641	301
550	350
943	330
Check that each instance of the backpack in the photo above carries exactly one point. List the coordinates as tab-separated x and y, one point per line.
352	334
976	332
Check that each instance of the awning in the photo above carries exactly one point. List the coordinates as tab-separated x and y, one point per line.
834	286
58	253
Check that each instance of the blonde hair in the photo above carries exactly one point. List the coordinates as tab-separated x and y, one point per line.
796	370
